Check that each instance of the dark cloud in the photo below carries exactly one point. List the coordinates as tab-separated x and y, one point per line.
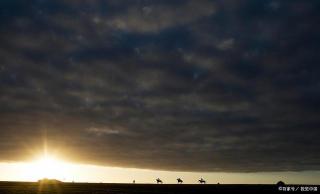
178	85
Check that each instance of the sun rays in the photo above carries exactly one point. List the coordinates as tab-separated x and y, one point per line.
49	167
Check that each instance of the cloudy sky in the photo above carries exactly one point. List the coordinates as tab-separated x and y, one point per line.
177	85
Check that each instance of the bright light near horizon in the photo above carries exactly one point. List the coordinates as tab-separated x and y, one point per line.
47	167
65	171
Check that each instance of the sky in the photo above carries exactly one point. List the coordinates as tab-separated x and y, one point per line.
166	86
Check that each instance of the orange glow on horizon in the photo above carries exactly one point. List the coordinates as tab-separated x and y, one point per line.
52	165
54	168
47	166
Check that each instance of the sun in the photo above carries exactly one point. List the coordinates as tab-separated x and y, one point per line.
49	167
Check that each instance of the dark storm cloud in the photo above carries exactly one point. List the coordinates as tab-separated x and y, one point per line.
178	85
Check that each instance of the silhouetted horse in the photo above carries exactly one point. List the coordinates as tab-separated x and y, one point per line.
159	181
180	181
202	181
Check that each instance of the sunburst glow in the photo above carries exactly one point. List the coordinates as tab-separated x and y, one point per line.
48	167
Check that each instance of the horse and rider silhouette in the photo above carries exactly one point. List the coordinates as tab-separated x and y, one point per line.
202	181
159	181
180	181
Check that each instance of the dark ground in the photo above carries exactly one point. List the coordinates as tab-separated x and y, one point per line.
101	188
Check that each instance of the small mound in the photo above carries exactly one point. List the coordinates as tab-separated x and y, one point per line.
280	184
49	181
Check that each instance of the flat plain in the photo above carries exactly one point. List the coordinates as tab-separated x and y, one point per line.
114	188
